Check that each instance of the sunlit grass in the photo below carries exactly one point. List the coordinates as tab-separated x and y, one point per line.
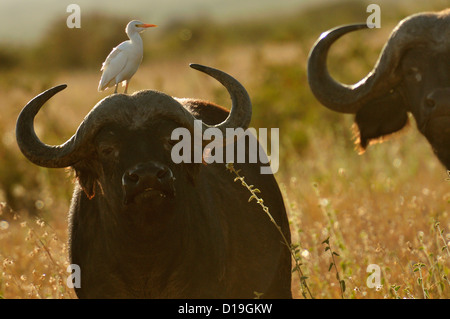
34	258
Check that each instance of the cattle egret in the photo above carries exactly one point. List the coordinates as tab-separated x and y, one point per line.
124	60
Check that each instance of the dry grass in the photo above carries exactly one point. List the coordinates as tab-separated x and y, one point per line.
388	207
34	258
373	217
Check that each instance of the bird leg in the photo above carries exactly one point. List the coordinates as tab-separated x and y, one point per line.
126	86
115	91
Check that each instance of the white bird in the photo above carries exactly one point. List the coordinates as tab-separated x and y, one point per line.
124	60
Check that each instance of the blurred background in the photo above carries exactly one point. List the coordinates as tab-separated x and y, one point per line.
388	207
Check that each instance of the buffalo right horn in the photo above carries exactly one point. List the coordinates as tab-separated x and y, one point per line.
241	107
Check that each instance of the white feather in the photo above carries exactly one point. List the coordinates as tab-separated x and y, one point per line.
124	60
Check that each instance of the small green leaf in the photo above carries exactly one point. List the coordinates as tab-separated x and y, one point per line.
342	285
329	268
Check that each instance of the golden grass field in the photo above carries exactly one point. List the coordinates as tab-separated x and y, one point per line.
389	206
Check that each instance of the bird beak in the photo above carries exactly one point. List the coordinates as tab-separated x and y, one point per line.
146	25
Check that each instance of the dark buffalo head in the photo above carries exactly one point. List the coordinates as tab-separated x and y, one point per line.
122	147
142	225
412	75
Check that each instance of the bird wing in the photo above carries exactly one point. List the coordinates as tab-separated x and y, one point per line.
114	63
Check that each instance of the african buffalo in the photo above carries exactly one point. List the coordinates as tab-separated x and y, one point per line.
412	75
144	227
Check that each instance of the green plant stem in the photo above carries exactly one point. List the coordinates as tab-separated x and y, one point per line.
260	201
333	264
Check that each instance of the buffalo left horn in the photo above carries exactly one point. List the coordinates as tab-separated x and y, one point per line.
345	98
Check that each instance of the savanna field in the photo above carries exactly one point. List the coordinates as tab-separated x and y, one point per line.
388	207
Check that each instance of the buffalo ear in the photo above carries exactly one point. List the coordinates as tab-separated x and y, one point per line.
378	119
87	177
87	183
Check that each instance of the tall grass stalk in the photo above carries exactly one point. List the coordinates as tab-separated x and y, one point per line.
333	265
253	191
441	236
418	268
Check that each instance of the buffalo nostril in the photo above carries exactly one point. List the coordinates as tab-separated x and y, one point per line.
430	103
162	173
131	178
147	179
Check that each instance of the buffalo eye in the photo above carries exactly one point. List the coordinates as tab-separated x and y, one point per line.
107	151
106	144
